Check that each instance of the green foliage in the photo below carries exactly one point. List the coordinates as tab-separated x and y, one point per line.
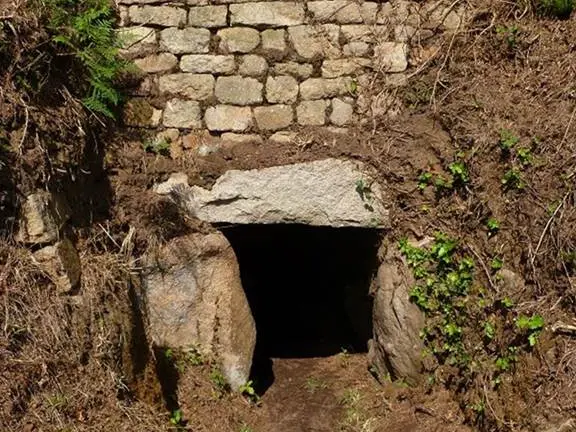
509	34
496	263
248	391
459	172
424	179
513	179
493	226
219	381
85	31
489	330
159	146
555	8
525	156
507	139
531	326
365	191
314	384
176	417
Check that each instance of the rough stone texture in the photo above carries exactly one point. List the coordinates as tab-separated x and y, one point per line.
42	216
319	88
253	65
238	39
208	63
311	113
238	90
274	43
208	16
283	137
364	33
348	66
344	11
229	138
137	41
356	48
273	117
391	57
279	13
281	89
155	63
157	15
228	118
192	86
182	114
316	42
297	70
185	41
321	193
396	346
342	112
61	263
139	112
195	299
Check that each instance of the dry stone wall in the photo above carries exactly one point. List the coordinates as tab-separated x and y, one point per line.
245	67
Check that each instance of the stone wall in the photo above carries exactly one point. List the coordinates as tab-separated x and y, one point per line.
236	67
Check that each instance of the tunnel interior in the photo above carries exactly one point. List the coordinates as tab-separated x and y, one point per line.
308	287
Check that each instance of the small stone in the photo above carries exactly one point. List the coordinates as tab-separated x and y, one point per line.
172	138
281	89
343	11
280	13
253	65
61	263
228	118
319	88
391	57
238	39
403	33
356	48
238	90
316	42
298	70
157	63
365	33
274	43
283	137
138	112
42	216
311	113
165	16
175	181
208	16
273	117
137	41
230	139
192	86
347	66
207	63
341	112
182	114
185	41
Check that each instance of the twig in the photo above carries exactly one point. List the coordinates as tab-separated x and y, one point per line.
567	127
545	230
484	267
25	132
433	96
560	327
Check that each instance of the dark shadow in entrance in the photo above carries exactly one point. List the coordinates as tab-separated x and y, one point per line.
308	288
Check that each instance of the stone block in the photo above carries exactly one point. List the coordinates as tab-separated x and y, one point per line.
273	117
208	16
138	112
61	263
137	41
311	42
228	118
345	66
207	63
391	56
238	90
155	63
342	112
238	39
230	139
274	43
319	88
365	33
277	13
165	16
185	41
192	86
311	113
343	11
182	114
298	70
253	65
281	89
42	216
356	49
283	137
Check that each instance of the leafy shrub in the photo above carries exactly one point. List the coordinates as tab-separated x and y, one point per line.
557	8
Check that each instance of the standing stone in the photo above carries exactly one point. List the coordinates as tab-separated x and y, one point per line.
253	65
228	118
391	57
238	39
195	299
61	263
182	114
192	86
238	90
42	216
155	63
274	43
185	41
166	16
396	347
278	13
137	41
341	112
316	42
281	89
311	113
208	16
207	63
273	117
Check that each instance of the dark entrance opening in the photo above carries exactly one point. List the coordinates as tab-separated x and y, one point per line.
308	288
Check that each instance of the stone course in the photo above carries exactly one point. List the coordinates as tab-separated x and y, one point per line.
257	67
